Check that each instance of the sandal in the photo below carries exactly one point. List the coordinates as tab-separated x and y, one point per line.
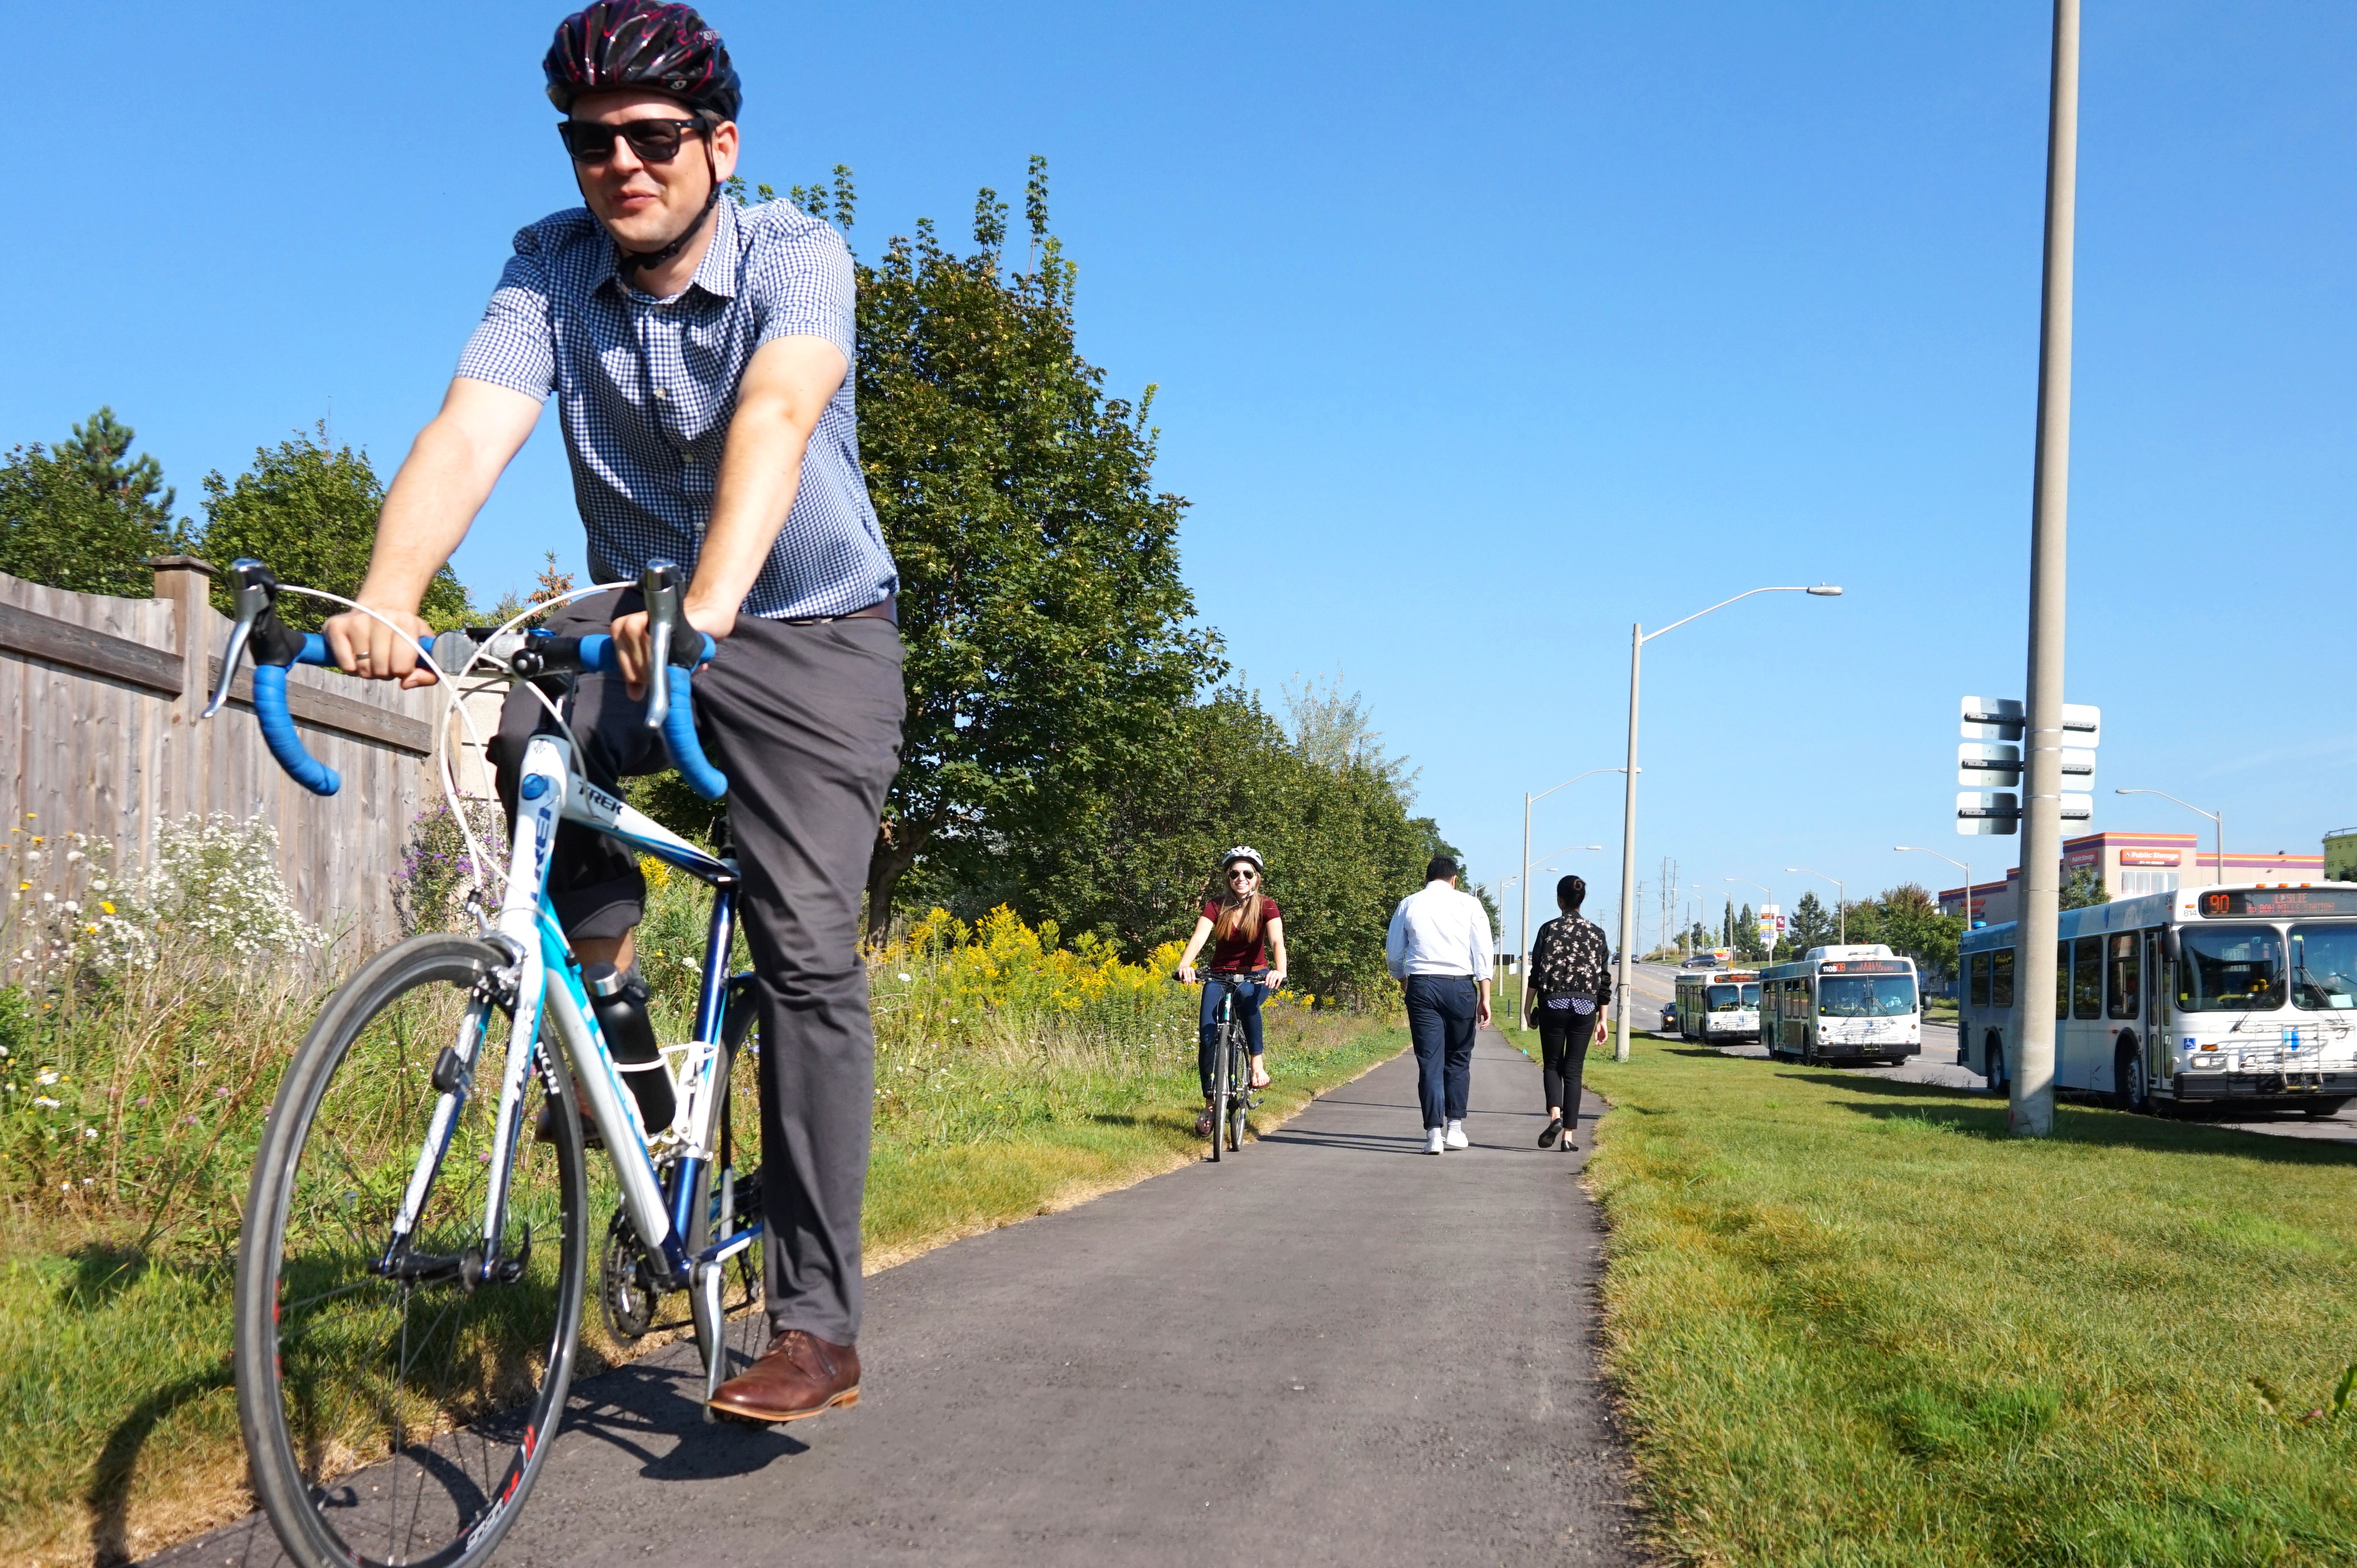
1203	1125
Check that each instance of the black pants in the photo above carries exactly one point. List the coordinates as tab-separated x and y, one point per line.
805	720
1441	1009
1564	1038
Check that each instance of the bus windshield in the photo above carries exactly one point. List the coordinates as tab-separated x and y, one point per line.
1866	996
2324	967
2230	968
1722	998
1751	998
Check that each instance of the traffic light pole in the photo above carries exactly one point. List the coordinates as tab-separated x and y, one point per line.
2031	1112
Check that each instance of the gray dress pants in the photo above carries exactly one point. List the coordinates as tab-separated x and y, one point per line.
805	720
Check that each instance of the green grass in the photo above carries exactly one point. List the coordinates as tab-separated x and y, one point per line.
1852	1322
114	1371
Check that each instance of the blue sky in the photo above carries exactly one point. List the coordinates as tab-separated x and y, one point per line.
1482	332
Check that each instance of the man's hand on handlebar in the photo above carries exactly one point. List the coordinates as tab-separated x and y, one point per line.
632	648
364	646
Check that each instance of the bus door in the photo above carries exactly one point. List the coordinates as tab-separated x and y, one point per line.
2122	1000
2155	1011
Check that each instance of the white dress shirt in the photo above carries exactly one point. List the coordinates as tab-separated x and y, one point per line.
1440	931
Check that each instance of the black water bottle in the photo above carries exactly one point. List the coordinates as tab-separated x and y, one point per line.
620	1003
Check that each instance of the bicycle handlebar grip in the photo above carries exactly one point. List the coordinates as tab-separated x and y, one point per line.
278	725
679	722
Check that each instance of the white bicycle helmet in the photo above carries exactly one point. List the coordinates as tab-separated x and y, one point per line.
1245	851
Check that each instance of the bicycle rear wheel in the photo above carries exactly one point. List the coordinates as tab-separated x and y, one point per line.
400	1414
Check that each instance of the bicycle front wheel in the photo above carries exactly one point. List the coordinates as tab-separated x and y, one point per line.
1221	1089
1239	1076
397	1403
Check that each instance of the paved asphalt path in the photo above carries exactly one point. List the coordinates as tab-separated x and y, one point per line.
1329	1348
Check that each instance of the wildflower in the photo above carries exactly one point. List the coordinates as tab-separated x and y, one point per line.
89	1131
45	1102
220	1094
141	1103
106	906
906	978
48	1078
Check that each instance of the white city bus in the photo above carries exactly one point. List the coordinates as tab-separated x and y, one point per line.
1719	1005
1853	1004
2243	993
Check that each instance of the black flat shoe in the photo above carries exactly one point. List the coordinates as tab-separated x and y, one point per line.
1547	1137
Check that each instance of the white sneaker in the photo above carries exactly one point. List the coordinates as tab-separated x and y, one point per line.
1432	1139
1455	1137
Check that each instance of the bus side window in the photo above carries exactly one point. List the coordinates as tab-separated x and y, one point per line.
2123	977
2001	978
2061	980
2087	978
2155	978
1980	984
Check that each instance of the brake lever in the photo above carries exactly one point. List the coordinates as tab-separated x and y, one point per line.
659	585
255	591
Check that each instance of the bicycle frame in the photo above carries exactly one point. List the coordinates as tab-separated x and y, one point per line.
545	974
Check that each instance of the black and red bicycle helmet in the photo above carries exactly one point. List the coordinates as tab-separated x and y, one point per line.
635	43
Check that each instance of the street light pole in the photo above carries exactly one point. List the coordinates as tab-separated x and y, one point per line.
1841	901
2031	1111
2218	818
1963	865
1637	638
1528	800
1771	899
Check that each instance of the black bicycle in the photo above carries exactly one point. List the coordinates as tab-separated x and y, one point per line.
1232	1094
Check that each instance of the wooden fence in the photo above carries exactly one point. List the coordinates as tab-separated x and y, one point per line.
100	698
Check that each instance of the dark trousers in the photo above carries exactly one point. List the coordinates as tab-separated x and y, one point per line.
1564	1040
1441	1009
1249	993
805	720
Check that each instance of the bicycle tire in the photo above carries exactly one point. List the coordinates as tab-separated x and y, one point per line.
1220	1090
404	1421
1238	1080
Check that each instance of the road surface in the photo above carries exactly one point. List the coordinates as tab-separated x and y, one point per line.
1329	1348
1655	983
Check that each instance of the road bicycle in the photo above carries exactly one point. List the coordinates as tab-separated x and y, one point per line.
1231	1093
415	1255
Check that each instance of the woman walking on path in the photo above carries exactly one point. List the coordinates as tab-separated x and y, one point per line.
1571	987
1246	931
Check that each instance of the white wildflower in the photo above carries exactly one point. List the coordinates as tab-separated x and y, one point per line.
45	1102
49	1078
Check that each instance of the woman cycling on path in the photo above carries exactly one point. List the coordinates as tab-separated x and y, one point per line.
1249	930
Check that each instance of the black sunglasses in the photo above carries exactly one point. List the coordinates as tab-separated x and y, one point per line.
654	140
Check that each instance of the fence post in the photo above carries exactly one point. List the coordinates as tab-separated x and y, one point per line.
185	584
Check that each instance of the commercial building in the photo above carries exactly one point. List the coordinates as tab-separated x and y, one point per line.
2134	863
2340	855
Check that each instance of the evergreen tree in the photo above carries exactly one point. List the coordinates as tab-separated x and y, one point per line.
85	515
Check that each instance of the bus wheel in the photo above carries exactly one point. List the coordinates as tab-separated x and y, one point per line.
2131	1090
1993	1054
2319	1109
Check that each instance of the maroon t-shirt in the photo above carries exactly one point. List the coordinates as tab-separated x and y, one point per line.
1233	951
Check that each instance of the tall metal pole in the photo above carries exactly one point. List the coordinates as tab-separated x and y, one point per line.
1629	846
1522	991
2031	1111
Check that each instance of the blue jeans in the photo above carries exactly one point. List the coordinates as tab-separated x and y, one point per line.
1441	1013
1248	993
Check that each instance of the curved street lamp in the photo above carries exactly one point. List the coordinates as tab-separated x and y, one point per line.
1637	638
2218	817
1841	900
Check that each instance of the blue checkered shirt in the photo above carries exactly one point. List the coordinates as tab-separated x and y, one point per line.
645	388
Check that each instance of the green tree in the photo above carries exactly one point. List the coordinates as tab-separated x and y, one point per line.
1812	926
84	515
2083	888
307	510
1047	626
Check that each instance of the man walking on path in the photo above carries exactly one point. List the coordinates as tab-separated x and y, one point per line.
1439	947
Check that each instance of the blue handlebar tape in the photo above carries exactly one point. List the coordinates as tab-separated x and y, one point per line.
679	729
278	730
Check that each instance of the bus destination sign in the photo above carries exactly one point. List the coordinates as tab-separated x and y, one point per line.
2279	903
1863	966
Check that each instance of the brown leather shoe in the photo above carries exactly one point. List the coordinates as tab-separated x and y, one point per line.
799	1374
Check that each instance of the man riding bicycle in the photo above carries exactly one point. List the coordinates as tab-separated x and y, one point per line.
701	356
1246	928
